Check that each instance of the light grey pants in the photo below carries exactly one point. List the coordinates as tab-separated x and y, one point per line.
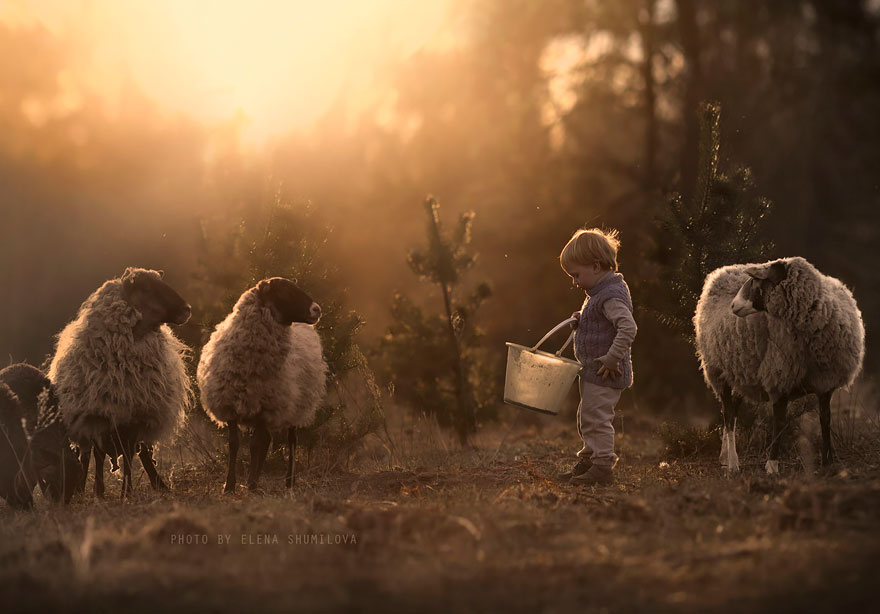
594	416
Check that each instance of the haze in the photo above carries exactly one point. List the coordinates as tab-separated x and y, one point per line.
280	64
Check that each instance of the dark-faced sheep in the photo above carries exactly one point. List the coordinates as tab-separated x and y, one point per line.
50	460
263	367
776	332
119	372
17	475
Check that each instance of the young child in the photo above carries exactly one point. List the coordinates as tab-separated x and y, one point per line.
604	334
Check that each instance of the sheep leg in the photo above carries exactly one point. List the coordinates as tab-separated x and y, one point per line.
729	409
145	453
780	409
259	448
232	427
85	455
291	451
99	471
725	444
128	445
825	424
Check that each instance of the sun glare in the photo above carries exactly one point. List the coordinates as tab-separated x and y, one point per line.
279	63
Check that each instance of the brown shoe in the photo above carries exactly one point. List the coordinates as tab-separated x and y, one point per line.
595	476
581	467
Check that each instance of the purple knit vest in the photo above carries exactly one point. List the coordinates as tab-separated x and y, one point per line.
595	332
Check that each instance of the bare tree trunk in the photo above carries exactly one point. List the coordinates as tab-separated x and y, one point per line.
690	43
646	27
465	420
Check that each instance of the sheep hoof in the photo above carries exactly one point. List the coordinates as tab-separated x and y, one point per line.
772	467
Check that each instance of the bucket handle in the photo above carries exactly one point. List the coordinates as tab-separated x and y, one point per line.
553	330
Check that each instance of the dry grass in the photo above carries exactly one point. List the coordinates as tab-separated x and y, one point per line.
439	528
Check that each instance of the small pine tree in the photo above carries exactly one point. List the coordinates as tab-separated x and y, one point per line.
435	362
721	225
289	244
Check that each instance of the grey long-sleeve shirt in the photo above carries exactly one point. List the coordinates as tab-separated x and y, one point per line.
620	316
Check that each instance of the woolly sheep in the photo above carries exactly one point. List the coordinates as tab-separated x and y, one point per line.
17	475
775	332
48	456
119	372
264	367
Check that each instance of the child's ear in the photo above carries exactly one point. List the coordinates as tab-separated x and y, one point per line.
596	267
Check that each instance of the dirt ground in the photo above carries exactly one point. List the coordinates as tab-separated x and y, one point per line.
450	529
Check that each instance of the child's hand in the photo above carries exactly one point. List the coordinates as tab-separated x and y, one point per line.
577	316
608	367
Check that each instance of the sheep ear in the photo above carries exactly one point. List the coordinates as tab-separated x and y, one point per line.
263	286
755	272
161	274
777	272
128	275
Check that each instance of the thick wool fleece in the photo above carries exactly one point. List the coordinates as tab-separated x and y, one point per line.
105	378
38	400
17	475
13	436
810	339
255	370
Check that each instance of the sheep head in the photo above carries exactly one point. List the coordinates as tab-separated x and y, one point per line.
752	295
287	302
157	302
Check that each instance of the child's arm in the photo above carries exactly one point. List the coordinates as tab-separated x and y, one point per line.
621	317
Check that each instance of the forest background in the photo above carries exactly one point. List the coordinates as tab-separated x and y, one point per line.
538	117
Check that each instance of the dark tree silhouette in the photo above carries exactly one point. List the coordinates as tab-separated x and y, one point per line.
434	361
722	223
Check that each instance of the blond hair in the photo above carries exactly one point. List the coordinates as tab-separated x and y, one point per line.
589	245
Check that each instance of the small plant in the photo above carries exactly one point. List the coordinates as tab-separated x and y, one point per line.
434	361
681	441
721	225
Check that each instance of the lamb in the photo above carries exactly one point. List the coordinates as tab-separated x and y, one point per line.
776	332
119	372
263	366
46	457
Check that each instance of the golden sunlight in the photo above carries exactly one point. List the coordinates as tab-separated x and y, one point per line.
279	63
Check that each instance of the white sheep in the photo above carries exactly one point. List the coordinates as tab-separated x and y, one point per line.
119	372
775	332
264	367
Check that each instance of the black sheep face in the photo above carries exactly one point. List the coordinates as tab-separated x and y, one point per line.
287	302
157	301
752	296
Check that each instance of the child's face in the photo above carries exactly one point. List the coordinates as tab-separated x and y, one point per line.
585	276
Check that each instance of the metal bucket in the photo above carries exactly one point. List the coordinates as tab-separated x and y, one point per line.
538	380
